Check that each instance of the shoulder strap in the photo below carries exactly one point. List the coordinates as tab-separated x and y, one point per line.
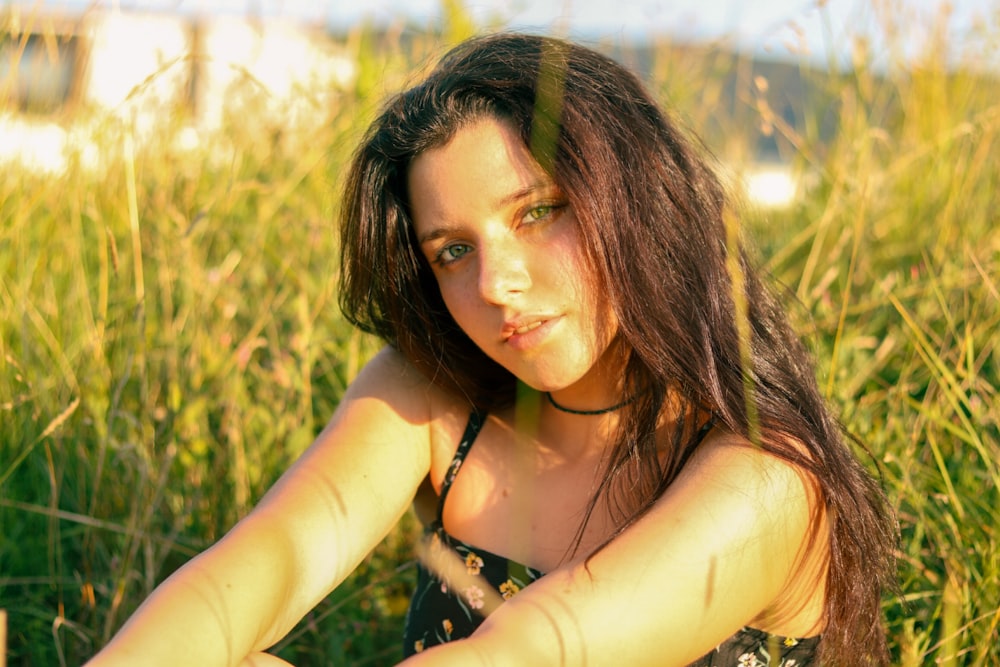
472	428
703	431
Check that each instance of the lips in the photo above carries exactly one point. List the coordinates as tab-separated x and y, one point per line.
526	328
520	326
523	332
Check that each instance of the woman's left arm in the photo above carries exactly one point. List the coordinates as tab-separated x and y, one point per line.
718	549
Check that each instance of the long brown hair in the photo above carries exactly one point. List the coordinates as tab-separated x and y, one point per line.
652	214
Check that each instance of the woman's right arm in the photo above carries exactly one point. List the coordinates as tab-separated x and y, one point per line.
308	532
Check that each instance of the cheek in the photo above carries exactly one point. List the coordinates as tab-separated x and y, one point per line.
583	280
594	291
460	303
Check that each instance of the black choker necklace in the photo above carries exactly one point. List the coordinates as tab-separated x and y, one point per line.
602	411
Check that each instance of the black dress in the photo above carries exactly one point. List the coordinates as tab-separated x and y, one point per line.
439	613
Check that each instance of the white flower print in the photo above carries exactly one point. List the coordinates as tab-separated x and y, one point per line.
474	596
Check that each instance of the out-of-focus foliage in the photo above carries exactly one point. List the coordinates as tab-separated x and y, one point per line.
170	339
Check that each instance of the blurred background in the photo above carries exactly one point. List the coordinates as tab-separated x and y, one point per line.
169	331
147	62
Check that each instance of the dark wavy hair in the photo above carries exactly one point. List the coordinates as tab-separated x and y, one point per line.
654	220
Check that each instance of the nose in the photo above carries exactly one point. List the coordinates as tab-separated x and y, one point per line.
503	272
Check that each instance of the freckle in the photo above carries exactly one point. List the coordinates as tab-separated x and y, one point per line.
505	493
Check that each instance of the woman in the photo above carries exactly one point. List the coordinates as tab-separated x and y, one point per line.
638	466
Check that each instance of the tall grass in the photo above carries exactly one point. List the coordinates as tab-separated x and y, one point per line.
898	268
170	341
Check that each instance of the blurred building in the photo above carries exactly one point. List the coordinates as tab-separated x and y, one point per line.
60	76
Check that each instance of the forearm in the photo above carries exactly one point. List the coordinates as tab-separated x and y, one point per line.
463	653
205	613
530	630
263	660
304	537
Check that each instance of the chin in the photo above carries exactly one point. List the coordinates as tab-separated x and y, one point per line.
549	384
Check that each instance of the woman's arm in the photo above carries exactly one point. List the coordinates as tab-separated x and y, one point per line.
717	551
309	531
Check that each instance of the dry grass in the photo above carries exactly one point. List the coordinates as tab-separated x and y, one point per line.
169	341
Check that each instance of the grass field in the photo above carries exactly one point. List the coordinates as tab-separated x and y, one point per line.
170	341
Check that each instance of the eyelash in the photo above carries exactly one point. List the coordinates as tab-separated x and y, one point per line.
439	258
537	212
549	209
546	208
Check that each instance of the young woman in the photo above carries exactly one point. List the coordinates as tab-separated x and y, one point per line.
621	464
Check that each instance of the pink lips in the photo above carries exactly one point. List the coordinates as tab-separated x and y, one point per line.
526	332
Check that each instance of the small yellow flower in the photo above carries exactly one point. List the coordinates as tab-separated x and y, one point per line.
508	589
473	563
418	645
448	627
791	641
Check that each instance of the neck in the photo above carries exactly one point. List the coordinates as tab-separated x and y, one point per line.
587	411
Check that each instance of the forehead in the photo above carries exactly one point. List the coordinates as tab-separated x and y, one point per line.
484	163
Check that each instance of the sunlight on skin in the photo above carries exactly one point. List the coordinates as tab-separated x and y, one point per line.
263	660
3	638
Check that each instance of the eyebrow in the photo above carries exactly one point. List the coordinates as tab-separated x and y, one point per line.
506	200
522	193
436	233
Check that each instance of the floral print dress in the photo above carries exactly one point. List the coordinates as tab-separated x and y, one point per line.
463	584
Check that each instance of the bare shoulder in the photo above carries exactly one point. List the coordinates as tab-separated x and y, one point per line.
726	458
392	396
741	489
777	503
390	377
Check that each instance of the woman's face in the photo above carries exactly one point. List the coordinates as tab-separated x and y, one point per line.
509	260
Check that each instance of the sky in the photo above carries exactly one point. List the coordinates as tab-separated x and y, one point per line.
785	28
782	27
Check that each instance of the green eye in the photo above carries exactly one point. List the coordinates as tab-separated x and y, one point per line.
540	212
453	252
